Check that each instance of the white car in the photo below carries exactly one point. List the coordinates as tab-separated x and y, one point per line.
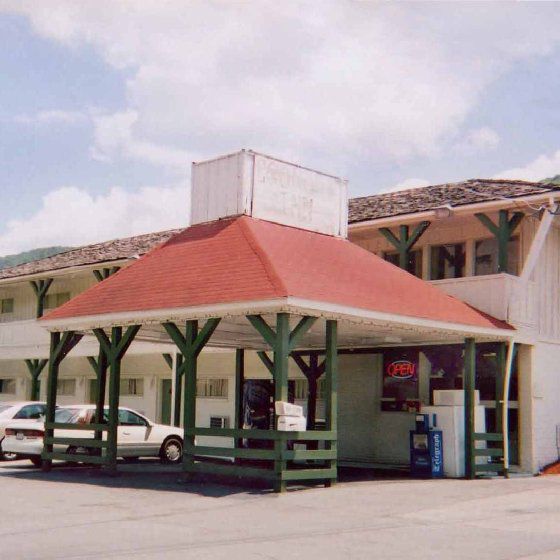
136	436
23	411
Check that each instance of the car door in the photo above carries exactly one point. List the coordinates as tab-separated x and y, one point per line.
133	434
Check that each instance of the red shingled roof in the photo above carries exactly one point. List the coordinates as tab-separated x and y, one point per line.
244	259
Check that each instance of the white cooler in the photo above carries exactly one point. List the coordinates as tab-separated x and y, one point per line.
451	421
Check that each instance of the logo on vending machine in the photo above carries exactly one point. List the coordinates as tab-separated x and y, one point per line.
437	457
401	369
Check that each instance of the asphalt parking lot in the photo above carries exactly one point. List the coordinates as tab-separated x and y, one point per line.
77	512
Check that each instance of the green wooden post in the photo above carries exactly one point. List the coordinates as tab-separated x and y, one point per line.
101	374
469	377
331	388
282	342
404	243
61	344
114	349
239	381
41	288
190	345
500	375
52	381
503	232
35	368
178	391
312	372
104	273
114	394
189	412
281	355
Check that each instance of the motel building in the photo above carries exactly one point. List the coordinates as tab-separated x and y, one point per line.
364	312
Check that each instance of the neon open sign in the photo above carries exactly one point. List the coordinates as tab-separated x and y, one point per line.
401	369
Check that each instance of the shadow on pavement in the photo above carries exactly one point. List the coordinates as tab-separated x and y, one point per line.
151	475
144	475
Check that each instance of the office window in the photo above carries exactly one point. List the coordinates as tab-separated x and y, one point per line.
414	265
8	386
52	301
133	387
447	261
486	256
6	305
66	387
212	388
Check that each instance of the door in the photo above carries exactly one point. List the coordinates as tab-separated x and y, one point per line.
133	435
92	393
165	412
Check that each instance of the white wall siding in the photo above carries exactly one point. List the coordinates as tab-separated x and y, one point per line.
546	403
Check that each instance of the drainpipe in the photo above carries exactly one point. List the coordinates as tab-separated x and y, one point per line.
505	407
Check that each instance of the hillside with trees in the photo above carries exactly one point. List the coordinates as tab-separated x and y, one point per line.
28	256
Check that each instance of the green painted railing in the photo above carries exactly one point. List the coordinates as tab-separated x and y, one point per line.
95	446
490	452
202	458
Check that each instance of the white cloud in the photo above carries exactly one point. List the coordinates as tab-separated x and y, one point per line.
328	82
411	183
540	168
72	216
53	116
114	137
479	140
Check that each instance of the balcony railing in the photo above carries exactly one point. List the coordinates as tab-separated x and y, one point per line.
503	296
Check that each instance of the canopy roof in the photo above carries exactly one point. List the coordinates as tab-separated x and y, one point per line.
242	265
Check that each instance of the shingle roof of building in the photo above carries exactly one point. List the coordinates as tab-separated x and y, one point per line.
245	259
114	250
422	199
360	209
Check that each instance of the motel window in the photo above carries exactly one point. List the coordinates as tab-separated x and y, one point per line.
8	386
66	387
486	256
219	422
414	265
301	389
52	301
212	388
6	306
132	387
447	261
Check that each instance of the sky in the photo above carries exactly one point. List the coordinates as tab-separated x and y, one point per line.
104	104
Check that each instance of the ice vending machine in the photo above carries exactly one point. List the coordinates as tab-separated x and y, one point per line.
426	449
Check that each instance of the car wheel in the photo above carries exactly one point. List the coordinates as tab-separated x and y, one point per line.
171	451
72	450
37	461
8	456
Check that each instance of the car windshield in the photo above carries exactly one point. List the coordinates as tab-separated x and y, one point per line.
67	415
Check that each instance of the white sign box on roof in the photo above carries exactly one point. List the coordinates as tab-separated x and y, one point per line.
264	187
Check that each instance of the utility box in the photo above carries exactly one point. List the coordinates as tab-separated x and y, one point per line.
270	189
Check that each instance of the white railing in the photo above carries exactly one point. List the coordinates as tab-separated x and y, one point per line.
22	333
503	296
